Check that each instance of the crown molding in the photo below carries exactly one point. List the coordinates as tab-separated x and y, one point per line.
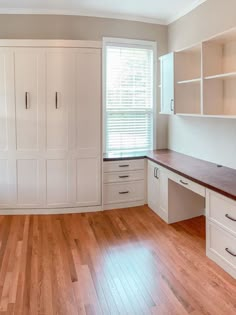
83	13
185	11
98	14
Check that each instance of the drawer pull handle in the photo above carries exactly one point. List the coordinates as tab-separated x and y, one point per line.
182	182
230	218
123	192
124	176
124	165
231	253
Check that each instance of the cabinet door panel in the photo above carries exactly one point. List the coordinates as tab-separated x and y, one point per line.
88	182
29	95
167	84
58	182
153	187
60	97
4	183
88	101
28	183
3	101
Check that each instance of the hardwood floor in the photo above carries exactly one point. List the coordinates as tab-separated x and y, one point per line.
114	262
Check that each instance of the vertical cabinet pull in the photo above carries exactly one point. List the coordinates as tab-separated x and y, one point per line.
155	173
172	105
56	100
26	100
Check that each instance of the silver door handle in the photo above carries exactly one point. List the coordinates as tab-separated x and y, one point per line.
56	100
172	105
26	100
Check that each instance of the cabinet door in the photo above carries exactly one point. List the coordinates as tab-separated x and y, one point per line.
167	83
30	127
7	129
88	126
30	99
153	187
60	80
59	182
60	126
88	179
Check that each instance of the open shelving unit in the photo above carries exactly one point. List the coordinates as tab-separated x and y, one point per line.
188	80
219	75
205	78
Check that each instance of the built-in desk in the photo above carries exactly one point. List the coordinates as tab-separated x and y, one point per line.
180	187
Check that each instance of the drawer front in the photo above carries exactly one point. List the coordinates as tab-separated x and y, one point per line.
222	210
128	176
198	189
222	243
124	192
120	166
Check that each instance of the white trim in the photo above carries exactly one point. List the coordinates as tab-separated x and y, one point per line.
43	211
187	10
130	43
50	43
124	205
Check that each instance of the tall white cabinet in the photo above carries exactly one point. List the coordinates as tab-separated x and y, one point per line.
50	127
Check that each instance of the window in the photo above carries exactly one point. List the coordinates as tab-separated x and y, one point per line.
129	95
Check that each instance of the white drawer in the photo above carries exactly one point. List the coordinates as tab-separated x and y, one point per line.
221	210
127	176
127	165
124	192
222	244
198	189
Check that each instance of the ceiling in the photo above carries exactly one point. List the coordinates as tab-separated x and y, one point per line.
152	11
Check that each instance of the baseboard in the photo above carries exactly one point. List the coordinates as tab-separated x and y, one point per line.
50	211
124	205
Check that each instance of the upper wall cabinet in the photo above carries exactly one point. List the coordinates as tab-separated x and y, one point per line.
167	83
204	75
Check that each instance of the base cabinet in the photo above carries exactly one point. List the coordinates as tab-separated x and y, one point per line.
157	190
124	183
221	231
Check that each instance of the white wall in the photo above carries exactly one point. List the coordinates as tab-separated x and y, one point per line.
88	28
211	139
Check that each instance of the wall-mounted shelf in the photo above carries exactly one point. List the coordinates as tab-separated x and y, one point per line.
198	80
223	76
204	78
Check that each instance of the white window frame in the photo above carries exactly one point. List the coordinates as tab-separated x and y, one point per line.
130	43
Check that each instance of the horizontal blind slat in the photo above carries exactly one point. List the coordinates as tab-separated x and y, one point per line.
129	98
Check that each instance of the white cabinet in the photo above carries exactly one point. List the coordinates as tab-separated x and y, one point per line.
7	129
29	98
157	190
88	126
60	100
29	124
167	83
153	187
50	127
124	183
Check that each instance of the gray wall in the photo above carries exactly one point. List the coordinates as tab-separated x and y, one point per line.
211	139
87	28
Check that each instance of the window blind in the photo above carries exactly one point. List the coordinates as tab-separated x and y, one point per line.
129	98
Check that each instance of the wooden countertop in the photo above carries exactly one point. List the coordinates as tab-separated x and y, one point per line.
218	178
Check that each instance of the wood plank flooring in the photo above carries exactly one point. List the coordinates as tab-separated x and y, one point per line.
115	262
